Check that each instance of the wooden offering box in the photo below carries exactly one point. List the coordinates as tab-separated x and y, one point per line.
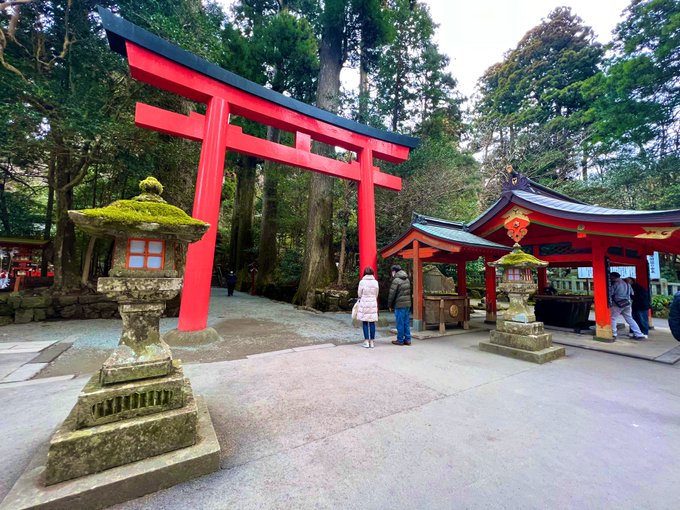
446	309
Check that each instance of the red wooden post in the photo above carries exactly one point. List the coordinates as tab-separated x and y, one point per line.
193	314
462	284
542	279
368	252
603	320
417	288
490	277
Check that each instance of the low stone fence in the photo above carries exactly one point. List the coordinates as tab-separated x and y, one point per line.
27	306
40	304
332	300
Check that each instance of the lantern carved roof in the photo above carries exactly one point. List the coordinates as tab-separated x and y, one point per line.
144	215
518	258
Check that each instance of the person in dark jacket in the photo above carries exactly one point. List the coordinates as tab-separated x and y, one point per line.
640	305
231	283
674	317
399	299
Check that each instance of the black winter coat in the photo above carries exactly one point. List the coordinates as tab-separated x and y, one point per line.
400	291
640	297
674	317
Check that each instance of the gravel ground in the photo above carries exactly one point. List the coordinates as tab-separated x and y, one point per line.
247	324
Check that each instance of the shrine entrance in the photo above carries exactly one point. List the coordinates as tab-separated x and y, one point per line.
168	67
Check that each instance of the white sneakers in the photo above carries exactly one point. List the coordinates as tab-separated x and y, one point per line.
368	344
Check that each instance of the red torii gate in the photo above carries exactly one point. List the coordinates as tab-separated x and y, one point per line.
166	66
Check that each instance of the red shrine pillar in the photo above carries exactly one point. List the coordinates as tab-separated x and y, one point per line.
542	279
418	324
462	284
542	273
193	313
368	252
490	279
603	320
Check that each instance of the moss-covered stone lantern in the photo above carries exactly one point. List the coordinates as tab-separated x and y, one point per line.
517	333
150	236
139	405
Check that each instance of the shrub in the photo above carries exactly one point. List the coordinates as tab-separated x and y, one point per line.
660	306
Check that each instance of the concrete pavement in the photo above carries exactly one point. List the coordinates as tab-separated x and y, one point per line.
435	425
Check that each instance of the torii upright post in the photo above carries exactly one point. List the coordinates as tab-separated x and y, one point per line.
168	67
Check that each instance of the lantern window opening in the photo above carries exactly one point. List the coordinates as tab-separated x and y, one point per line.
146	254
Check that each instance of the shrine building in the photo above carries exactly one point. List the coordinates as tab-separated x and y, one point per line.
553	227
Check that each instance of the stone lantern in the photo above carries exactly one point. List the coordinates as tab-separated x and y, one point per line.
517	333
139	407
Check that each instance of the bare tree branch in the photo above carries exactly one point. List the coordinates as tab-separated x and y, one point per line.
13	3
3	62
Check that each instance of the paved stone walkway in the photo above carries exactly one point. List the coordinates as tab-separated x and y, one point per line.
439	424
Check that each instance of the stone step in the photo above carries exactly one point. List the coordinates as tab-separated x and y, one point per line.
540	357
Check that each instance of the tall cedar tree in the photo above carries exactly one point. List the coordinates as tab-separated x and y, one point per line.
339	40
530	112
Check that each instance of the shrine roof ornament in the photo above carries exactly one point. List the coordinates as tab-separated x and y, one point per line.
119	30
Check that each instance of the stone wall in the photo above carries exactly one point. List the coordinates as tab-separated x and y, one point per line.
40	305
332	300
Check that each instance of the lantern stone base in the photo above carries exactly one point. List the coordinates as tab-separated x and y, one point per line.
124	364
78	452
540	357
526	341
98	404
121	483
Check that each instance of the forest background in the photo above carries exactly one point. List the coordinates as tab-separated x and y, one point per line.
600	123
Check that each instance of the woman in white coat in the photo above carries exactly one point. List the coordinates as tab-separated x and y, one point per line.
367	311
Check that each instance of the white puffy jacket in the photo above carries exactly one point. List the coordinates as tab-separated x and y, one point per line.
368	299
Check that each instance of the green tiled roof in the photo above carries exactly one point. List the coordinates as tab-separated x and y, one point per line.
457	235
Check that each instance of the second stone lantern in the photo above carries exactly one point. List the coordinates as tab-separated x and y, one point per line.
517	333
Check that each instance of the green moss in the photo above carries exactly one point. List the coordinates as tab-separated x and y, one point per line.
151	185
131	212
519	258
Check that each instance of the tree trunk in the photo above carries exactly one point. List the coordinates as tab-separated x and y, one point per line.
4	212
241	243
65	272
344	218
87	261
319	268
363	85
68	173
47	233
268	249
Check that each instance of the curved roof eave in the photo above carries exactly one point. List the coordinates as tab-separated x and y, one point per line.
584	212
119	30
573	211
483	243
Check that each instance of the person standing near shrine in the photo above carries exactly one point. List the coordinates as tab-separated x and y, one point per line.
640	305
674	316
400	300
620	295
367	311
231	283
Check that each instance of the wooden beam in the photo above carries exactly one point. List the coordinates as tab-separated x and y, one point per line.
423	252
